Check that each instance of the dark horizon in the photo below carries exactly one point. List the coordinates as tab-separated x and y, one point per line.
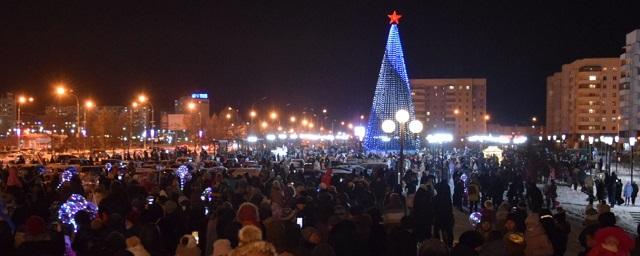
316	55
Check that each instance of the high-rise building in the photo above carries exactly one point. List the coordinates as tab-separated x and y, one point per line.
582	99
392	94
630	86
7	113
457	106
200	106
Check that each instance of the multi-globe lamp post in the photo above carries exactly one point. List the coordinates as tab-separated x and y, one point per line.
389	126
193	107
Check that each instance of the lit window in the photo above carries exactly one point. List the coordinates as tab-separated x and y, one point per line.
592	86
428	113
451	87
592	78
468	87
591	111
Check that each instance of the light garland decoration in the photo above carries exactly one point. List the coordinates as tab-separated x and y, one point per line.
184	175
66	176
475	218
207	197
108	167
74	204
392	94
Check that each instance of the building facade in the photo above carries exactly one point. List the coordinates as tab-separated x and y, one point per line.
7	113
582	99
456	106
201	106
630	86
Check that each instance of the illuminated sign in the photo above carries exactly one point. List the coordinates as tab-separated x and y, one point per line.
199	96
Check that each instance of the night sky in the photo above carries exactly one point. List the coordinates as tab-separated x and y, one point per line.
305	53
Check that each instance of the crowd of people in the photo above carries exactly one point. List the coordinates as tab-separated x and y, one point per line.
285	210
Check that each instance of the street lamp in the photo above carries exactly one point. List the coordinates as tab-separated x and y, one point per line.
632	142
21	100
389	126
590	139
88	105
273	115
61	90
143	99
292	119
192	107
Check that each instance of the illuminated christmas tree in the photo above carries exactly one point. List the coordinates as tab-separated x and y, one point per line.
392	94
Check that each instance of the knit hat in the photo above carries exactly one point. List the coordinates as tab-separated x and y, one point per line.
248	212
249	234
287	214
308	232
35	225
221	247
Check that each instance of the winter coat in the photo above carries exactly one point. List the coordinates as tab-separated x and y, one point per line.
634	192
611	241
537	242
474	192
628	190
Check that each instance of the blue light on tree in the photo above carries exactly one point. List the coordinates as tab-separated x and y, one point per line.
392	94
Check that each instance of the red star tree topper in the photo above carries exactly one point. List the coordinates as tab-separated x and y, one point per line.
394	18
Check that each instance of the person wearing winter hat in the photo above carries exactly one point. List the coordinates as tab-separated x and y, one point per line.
313	242
135	247
537	241
248	214
611	241
250	243
221	247
188	246
591	217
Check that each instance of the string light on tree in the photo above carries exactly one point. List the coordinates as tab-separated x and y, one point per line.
392	94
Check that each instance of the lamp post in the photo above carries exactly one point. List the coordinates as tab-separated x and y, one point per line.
589	156
632	142
21	100
61	91
192	107
88	105
616	139
143	99
389	126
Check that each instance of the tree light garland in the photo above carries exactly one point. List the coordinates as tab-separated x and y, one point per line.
74	204
184	175
392	94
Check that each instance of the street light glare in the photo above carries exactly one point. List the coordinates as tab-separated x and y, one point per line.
264	124
388	126
292	119
402	116
22	99
415	126
273	115
60	90
142	98
253	113
191	106
134	104
89	104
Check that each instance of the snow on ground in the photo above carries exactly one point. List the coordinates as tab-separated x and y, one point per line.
575	202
